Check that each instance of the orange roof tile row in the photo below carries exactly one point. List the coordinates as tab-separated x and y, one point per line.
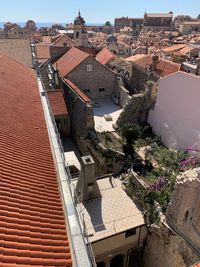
57	102
173	48
70	60
32	224
165	67
63	39
77	90
143	61
105	55
43	52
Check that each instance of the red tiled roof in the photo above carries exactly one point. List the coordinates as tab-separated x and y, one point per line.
165	67
173	48
62	40
77	90
70	60
105	55
143	61
92	51
43	52
47	39
57	102
32	224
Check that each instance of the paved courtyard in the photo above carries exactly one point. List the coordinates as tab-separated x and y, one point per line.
105	107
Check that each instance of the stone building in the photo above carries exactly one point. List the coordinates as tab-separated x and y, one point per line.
80	111
80	32
134	23
157	21
37	206
17	33
92	77
148	67
113	223
31	27
188	27
183	214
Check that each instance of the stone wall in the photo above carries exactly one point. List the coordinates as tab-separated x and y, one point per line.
80	113
99	77
183	214
57	51
138	78
166	248
138	106
107	160
124	95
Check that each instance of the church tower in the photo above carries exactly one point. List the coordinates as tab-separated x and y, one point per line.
80	31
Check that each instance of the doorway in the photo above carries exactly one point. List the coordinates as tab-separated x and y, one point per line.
117	261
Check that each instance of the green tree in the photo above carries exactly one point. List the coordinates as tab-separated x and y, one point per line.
108	23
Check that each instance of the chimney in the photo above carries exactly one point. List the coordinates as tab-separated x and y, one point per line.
87	187
155	59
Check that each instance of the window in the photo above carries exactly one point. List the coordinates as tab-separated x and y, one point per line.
89	67
130	232
86	90
101	89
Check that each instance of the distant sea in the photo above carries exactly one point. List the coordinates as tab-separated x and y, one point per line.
47	24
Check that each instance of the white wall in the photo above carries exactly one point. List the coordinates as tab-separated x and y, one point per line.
108	245
176	115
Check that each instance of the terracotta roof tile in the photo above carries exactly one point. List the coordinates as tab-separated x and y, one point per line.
105	55
143	61
70	60
43	52
173	48
62	40
18	49
32	224
165	67
77	90
57	102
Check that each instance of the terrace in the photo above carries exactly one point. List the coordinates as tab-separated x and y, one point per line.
106	113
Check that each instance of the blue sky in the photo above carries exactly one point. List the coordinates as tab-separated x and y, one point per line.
94	11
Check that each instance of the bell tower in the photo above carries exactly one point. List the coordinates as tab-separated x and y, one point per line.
80	31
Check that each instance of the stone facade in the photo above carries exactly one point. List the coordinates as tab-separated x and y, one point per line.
165	248
80	113
189	26
183	214
134	23
138	106
80	32
157	21
17	33
99	82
